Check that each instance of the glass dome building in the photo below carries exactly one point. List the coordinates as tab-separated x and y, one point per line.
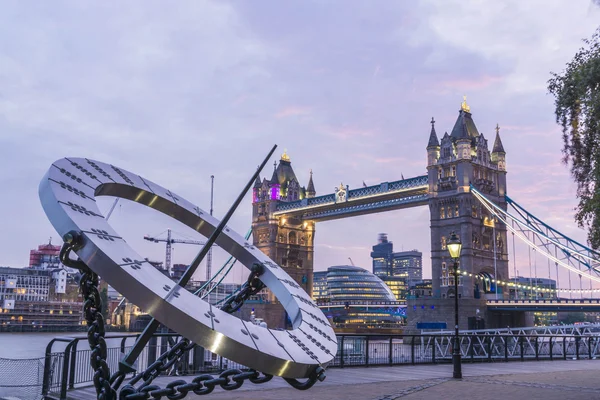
353	298
348	283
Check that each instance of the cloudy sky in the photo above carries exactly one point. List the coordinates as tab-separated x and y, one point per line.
182	90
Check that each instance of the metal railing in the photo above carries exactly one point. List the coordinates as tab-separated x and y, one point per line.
69	368
437	348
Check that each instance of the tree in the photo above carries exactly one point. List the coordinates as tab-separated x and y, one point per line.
577	108
104	299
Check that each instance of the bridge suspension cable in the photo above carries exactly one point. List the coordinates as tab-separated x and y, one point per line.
541	238
210	285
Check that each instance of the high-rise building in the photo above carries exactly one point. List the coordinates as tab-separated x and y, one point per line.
409	264
382	256
406	264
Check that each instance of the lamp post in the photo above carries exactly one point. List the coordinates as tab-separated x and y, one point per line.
454	247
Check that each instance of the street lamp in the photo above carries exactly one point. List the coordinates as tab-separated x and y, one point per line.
454	247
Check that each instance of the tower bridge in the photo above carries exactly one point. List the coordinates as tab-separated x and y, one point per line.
462	176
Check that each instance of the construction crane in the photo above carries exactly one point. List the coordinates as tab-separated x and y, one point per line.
170	241
351	262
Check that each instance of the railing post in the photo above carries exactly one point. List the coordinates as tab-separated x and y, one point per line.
47	364
506	348
367	351
537	349
589	347
472	347
577	340
152	347
412	351
521	345
65	372
489	347
433	349
391	360
551	349
342	353
72	366
564	347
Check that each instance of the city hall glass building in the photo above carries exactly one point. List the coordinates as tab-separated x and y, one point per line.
352	297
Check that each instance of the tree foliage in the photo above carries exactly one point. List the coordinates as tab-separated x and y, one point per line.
577	101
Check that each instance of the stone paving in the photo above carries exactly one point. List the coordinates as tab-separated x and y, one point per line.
548	380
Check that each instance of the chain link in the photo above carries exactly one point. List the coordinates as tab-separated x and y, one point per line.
107	385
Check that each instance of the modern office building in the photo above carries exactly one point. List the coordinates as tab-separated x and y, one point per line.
409	264
398	285
320	293
387	263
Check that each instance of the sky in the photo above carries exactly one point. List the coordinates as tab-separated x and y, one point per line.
180	91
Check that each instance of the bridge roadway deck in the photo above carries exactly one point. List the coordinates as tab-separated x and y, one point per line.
548	380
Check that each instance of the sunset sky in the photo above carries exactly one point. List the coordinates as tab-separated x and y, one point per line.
180	91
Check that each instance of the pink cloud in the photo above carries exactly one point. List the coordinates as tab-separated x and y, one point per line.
241	99
292	111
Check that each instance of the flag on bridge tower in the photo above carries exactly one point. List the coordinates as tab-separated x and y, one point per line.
402	175
364	184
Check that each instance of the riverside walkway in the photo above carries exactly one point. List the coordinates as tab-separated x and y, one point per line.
548	380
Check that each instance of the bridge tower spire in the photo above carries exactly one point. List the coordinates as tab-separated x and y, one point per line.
461	159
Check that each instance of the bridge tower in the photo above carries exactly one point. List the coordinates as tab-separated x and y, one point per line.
460	159
463	158
287	240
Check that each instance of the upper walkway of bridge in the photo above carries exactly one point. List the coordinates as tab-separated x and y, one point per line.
345	202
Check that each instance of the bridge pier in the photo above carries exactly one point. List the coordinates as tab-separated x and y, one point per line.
513	319
472	314
430	309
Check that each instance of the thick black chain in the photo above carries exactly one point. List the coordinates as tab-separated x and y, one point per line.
107	385
251	287
230	379
92	310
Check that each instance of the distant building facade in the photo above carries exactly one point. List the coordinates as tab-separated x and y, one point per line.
421	289
33	300
45	257
527	285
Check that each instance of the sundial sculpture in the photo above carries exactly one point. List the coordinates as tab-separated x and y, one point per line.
68	193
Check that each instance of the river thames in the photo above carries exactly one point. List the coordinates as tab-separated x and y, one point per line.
33	345
28	345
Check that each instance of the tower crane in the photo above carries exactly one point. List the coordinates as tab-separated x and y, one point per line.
169	240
